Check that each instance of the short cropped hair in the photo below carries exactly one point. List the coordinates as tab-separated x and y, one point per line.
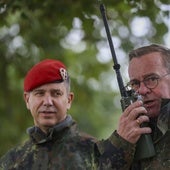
164	51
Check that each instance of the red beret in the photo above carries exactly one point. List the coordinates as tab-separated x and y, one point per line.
46	71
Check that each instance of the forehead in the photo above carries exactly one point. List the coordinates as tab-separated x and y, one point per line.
51	86
145	65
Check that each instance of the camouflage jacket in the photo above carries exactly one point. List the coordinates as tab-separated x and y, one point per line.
65	148
161	140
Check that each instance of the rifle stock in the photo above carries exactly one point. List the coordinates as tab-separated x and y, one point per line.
144	147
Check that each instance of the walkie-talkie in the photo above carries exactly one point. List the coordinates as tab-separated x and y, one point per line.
144	147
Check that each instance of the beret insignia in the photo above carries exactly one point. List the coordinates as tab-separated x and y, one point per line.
63	73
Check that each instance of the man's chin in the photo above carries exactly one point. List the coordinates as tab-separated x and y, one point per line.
47	125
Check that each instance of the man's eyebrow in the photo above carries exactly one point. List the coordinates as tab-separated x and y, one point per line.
37	90
145	76
134	80
56	90
151	74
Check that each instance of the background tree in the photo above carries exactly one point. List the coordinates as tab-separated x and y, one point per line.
72	31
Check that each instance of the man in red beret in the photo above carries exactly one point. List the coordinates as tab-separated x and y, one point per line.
54	140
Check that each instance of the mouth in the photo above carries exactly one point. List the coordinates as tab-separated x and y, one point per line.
149	103
46	112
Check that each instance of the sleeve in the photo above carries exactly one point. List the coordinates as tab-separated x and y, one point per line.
115	153
7	160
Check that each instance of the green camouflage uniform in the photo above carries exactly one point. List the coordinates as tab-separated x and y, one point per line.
161	140
65	148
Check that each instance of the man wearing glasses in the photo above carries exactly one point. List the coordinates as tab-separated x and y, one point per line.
149	72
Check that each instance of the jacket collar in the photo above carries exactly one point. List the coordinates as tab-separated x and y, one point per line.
39	137
163	121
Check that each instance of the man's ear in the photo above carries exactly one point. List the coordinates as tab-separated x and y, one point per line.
70	99
26	96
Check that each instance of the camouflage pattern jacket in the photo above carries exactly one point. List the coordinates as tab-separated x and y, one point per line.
65	148
161	139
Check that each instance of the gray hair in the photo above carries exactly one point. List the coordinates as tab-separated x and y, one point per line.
68	83
165	53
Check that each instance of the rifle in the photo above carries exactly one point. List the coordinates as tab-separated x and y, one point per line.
144	147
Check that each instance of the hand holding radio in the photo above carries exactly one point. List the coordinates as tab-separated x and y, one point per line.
130	122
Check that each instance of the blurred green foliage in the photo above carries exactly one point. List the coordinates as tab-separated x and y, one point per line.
71	31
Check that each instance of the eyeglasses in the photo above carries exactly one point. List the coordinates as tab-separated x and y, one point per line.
150	82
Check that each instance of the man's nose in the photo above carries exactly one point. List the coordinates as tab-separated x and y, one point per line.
143	90
48	100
